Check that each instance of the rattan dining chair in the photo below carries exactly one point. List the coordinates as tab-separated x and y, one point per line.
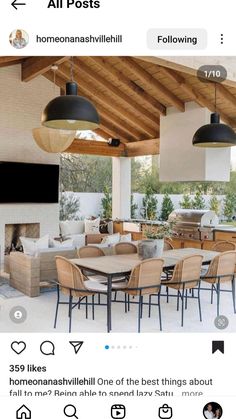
186	276
145	279
91	252
71	282
224	246
168	245
125	248
221	270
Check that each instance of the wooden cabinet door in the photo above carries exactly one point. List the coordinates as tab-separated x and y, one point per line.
225	235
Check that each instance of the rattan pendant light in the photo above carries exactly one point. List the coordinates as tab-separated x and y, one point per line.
215	134
53	140
70	112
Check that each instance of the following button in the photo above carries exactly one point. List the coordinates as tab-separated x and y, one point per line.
177	39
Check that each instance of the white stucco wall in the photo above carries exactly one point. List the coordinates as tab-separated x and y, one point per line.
21	105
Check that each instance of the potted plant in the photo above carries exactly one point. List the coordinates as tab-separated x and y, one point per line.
153	244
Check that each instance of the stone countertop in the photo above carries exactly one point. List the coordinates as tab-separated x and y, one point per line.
225	228
138	221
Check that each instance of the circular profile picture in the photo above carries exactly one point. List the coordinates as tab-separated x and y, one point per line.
212	410
19	38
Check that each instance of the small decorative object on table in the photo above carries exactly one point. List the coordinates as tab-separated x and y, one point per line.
153	245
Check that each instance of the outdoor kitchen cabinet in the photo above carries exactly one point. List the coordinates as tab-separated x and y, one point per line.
228	235
182	243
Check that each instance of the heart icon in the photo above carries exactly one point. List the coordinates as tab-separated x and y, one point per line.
18	347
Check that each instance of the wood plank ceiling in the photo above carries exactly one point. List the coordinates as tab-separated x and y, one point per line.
130	95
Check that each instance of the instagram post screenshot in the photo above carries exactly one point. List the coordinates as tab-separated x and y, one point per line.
117	210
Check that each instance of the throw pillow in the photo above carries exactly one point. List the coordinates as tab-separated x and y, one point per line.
57	244
126	237
112	239
92	226
31	246
103	227
71	227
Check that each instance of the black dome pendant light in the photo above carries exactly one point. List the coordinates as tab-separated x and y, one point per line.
70	112
214	134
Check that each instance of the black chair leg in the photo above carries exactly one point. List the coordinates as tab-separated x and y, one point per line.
199	303
140	303
167	294
57	306
142	308
70	311
218	297
149	305
128	302
86	307
178	300
99	299
186	299
212	293
233	294
182	308
93	307
159	310
126	309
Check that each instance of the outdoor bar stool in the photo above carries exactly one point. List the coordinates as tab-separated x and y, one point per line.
221	270
186	276
145	279
71	282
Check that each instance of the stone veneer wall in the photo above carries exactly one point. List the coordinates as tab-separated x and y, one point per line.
21	105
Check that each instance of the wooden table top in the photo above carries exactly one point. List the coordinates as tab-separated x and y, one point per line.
118	264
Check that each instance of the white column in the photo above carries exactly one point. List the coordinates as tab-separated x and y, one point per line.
121	187
179	160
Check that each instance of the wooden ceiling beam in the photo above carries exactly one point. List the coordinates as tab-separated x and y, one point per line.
104	83
97	148
35	66
100	148
112	131
8	61
106	100
143	148
226	94
195	95
131	133
143	75
131	85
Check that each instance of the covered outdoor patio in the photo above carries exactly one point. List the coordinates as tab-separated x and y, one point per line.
152	106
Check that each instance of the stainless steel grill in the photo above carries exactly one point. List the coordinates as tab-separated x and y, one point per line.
193	224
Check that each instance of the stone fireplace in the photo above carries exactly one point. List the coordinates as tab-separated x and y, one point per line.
13	232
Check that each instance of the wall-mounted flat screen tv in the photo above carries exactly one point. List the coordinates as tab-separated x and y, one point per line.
28	183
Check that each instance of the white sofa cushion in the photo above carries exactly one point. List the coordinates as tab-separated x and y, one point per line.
60	245
71	227
126	237
92	226
77	239
31	245
111	240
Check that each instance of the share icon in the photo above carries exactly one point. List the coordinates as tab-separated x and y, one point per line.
77	344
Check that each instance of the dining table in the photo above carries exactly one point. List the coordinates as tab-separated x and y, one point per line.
120	266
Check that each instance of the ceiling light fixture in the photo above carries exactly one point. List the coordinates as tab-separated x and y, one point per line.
70	112
214	134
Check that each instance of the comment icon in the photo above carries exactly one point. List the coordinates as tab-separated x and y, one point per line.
47	348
